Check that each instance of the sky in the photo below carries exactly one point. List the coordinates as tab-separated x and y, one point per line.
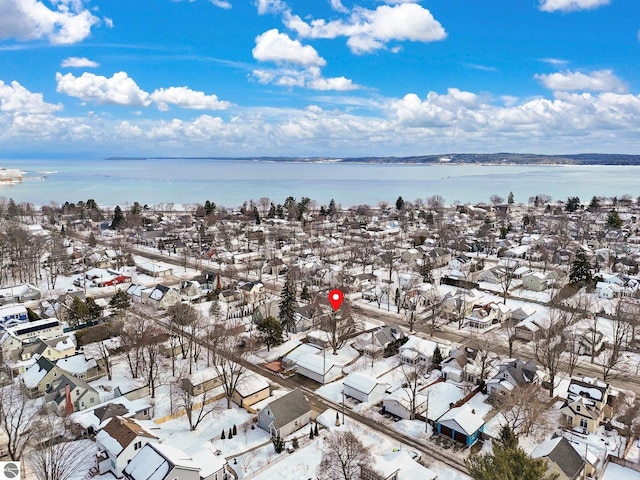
327	78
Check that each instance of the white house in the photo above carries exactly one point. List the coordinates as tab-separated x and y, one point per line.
286	414
118	442
398	403
319	368
364	388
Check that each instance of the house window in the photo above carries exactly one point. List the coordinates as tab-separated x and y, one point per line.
92	400
77	391
584	423
137	445
577	408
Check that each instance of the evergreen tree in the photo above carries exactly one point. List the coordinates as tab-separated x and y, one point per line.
315	430
222	437
399	203
279	211
278	444
235	430
94	310
332	208
310	433
287	304
270	330
92	240
510	199
294	443
230	434
594	205
272	211
572	204
118	218
437	359
580	272
508	461
613	220
305	294
256	215
120	301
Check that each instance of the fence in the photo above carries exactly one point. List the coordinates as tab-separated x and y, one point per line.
182	411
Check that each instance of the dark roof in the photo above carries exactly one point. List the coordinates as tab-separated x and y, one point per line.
521	372
23	330
567	459
289	407
124	430
110	410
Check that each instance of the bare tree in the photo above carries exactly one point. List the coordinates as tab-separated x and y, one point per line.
230	364
340	327
413	379
619	333
196	408
343	455
630	416
508	268
151	358
57	456
105	358
17	419
510	330
548	350
524	409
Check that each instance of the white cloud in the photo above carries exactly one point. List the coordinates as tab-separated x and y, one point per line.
338	6
78	62
271	6
15	99
335	83
554	61
184	97
273	46
369	30
571	5
222	4
24	20
120	89
108	22
597	81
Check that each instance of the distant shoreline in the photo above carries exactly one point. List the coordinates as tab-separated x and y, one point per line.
495	159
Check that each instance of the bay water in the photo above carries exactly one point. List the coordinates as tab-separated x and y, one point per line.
230	182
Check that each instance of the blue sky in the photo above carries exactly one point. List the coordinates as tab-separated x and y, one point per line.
95	78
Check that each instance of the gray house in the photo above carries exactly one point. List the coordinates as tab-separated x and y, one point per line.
286	414
19	294
164	462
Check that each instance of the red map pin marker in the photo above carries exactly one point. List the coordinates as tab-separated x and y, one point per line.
335	299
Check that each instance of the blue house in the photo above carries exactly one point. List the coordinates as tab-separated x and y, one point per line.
461	424
12	315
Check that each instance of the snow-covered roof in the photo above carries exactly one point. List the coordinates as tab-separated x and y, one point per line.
203	375
34	374
441	396
315	363
462	419
76	364
250	384
361	382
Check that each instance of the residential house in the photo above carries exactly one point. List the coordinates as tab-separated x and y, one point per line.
39	377
202	381
562	458
318	368
512	374
461	262
118	443
420	351
305	317
378	339
252	292
191	289
14	337
400	403
286	414
251	389
13	315
492	275
70	394
81	367
162	296
442	397
462	424
19	294
156	461
535	281
379	469
586	404
364	388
